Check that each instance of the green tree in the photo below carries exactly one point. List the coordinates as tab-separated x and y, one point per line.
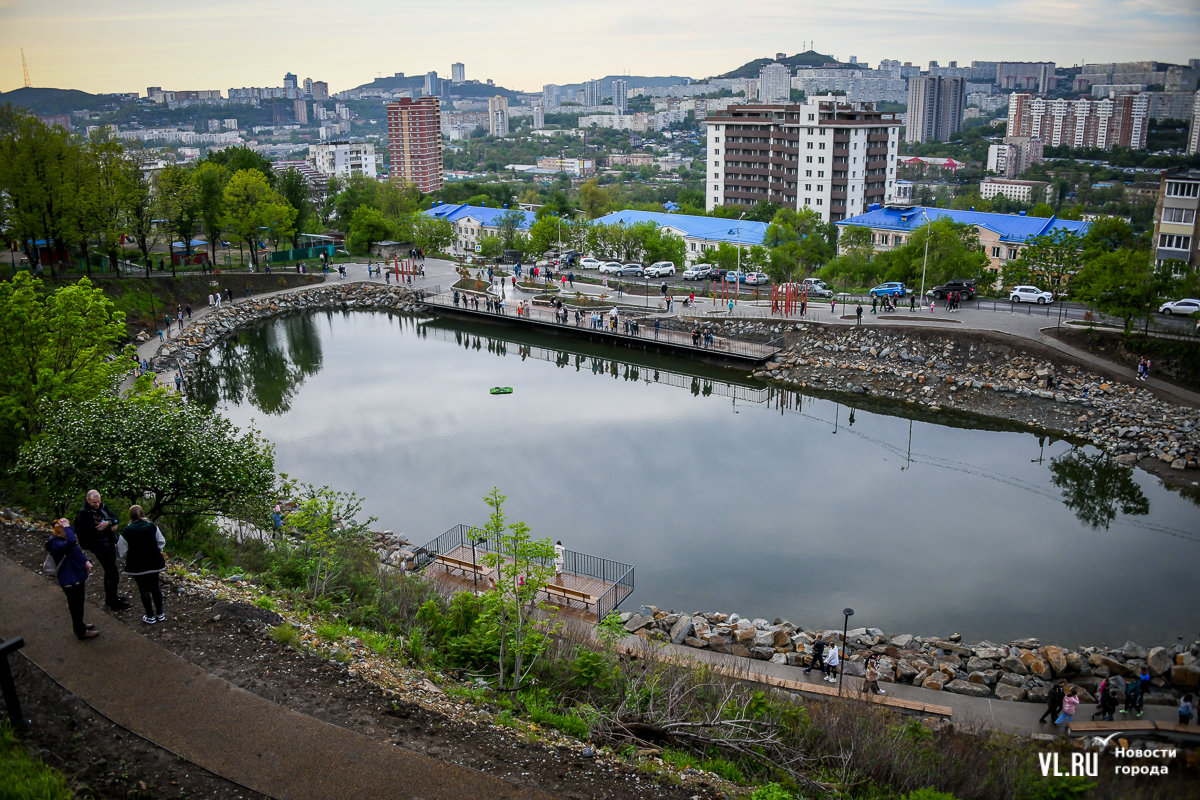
178	203
523	567
109	222
432	234
293	187
234	159
357	190
397	199
210	178
660	244
366	228
138	206
57	347
326	522
1047	260
509	225
543	234
254	211
593	199
1125	283
954	252
169	456
491	246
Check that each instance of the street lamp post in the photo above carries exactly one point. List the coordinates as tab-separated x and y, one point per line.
925	265
474	570
847	614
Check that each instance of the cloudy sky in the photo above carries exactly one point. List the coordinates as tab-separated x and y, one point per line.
216	44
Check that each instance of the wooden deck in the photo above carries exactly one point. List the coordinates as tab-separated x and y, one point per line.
571	592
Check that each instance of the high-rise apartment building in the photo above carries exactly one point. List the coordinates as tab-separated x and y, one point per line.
935	108
832	157
593	92
775	83
620	96
498	115
1176	223
301	110
415	142
1121	120
433	85
1194	131
539	116
458	73
320	91
1015	155
343	158
551	96
308	87
1035	76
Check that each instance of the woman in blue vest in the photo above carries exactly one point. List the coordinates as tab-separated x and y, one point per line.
141	545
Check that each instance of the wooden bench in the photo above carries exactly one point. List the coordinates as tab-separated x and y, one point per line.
466	566
570	594
1131	726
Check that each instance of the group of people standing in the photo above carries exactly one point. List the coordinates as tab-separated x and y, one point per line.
1143	368
97	530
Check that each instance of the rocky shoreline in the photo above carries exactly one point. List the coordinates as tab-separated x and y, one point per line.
976	374
1020	670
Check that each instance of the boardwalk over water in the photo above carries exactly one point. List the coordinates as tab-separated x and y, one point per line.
722	348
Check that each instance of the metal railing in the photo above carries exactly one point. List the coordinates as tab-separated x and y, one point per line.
618	576
633	328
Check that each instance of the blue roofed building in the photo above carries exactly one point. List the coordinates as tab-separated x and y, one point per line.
700	234
471	223
1003	236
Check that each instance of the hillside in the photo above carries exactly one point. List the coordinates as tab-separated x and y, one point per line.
469	89
57	101
808	58
634	80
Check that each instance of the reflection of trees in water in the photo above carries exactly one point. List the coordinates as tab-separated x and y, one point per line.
265	365
1095	487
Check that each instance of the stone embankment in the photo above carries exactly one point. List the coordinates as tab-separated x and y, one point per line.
1021	670
220	323
973	374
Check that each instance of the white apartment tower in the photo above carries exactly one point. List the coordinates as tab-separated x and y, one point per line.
832	157
539	117
458	73
775	83
498	116
620	95
593	93
551	96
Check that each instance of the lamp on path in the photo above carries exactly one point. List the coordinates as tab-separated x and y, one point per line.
847	614
474	567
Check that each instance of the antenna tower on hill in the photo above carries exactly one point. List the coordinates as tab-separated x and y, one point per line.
25	67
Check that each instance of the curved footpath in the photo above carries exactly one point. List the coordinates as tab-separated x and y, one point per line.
215	725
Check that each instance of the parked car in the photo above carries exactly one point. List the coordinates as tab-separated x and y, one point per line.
589	263
610	268
660	268
1185	306
635	270
964	286
889	289
1030	294
544	262
696	273
735	276
816	287
718	274
756	278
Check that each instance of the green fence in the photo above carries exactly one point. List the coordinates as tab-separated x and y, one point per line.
303	253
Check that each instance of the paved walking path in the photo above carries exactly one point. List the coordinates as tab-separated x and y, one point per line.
987	712
214	724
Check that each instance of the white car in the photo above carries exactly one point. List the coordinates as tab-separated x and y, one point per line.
696	273
589	263
660	268
611	268
1030	294
1186	306
757	278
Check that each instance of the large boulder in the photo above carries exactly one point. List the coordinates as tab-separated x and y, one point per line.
1113	666
1056	657
951	647
903	640
741	650
1014	665
934	682
744	635
977	664
764	639
1040	668
762	653
1006	692
853	669
1185	677
991	653
692	641
1131	650
1074	663
682	629
968	688
905	671
637	622
1159	659
780	639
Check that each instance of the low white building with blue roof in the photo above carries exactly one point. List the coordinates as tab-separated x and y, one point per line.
1003	236
700	234
472	222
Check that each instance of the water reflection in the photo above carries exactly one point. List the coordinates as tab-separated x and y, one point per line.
1095	487
264	365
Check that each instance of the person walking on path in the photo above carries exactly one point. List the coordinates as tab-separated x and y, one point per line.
818	656
96	527
870	683
559	561
832	305
858	314
1134	692
188	308
1187	708
1054	700
874	304
141	545
931	305
656	327
912	303
1070	703
69	564
832	659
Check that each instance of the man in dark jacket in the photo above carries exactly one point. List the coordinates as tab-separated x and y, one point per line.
1054	701
96	527
818	656
71	568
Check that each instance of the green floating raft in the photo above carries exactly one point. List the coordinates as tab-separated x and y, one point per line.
501	390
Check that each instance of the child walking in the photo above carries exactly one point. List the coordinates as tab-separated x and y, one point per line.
1070	703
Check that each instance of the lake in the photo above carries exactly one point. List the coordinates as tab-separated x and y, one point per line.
726	494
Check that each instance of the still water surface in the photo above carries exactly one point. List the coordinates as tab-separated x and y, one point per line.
724	494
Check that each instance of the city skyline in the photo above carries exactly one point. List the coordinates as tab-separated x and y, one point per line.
221	45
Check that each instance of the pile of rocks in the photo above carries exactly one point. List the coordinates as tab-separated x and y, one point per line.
394	550
1019	670
941	372
220	323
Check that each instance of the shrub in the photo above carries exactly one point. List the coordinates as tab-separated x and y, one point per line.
773	791
726	769
286	634
27	778
332	631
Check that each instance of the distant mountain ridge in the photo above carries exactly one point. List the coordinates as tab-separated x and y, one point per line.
809	58
418	82
45	102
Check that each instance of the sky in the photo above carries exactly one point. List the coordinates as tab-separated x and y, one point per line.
215	44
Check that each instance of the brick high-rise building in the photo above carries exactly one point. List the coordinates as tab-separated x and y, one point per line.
1119	120
832	157
935	108
415	142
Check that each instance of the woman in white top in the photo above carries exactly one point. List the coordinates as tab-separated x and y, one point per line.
832	659
558	562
